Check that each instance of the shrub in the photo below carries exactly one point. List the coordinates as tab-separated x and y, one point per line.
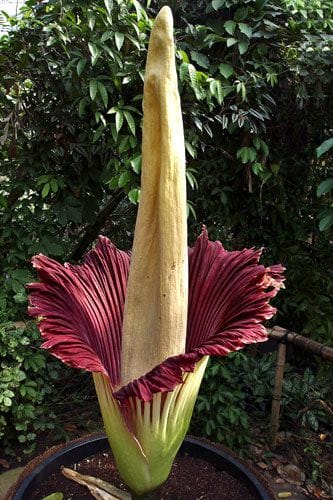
237	391
26	378
220	412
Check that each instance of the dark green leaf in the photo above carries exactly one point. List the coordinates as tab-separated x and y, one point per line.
93	89
74	214
98	133
140	12
109	5
216	89
241	14
92	48
103	93
95	52
114	132
91	19
119	38
7	402
326	222
52	247
226	70
200	59
246	154
82	105
136	163
242	47
264	147
119	120
125	144
130	121
231	42
217	4
123	179
80	66
106	36
183	71
190	149
325	187
230	27
256	142
134	41
246	29
46	190
191	179
54	185
193	75
134	195
324	147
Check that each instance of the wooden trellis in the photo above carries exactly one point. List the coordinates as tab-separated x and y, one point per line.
284	336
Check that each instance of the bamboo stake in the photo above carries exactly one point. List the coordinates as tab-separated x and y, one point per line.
276	403
301	342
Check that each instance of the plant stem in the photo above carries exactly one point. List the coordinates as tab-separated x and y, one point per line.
152	495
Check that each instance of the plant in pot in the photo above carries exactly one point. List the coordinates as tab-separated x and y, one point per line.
146	323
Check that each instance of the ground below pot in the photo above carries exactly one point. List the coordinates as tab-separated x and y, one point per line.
201	471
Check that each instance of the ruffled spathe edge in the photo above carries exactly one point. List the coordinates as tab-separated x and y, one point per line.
81	310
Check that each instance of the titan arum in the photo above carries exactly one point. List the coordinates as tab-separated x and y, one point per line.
145	324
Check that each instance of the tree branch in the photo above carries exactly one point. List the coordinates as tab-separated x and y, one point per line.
93	230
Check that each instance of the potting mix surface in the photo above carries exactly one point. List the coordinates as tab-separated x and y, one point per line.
191	478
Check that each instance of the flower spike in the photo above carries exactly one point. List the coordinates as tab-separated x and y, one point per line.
156	298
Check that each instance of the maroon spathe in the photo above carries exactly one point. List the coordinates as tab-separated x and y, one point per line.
81	310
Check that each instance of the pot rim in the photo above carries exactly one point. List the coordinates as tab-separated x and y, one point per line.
78	449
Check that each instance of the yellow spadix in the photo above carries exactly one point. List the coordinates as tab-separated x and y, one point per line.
154	326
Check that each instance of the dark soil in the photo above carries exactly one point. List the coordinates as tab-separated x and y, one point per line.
190	478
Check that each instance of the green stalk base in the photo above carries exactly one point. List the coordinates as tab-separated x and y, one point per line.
152	495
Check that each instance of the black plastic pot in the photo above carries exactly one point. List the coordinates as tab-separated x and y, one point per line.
79	450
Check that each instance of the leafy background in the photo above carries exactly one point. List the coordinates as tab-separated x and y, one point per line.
256	87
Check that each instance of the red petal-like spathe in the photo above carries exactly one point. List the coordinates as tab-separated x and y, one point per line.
229	295
81	308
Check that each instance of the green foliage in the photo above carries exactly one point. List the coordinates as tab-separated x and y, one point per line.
237	391
219	412
257	182
231	77
26	378
70	108
268	102
299	392
313	454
